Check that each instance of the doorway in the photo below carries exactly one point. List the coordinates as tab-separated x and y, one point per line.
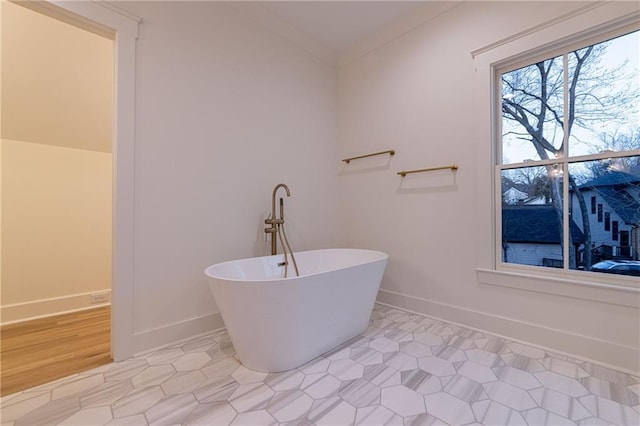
625	245
110	21
57	113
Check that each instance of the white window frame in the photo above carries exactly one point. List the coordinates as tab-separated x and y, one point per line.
587	25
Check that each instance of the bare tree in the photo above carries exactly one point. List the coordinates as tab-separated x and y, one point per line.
615	142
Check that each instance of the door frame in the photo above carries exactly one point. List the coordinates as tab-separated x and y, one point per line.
108	20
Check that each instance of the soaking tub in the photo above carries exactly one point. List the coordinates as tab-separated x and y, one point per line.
277	324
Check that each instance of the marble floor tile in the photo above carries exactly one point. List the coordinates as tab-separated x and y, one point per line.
171	410
403	401
403	370
382	375
332	411
216	390
290	405
610	411
540	416
89	416
516	377
493	413
286	380
436	366
563	367
260	417
561	383
608	374
377	415
201	344
420	381
449	353
522	362
415	349
528	351
476	372
428	339
19	405
125	370
154	375
77	386
360	393
449	409
613	391
495	345
486	358
346	369
384	345
183	382
191	361
164	356
218	413
559	403
366	356
465	389
243	375
137	401
51	413
460	342
220	367
105	394
509	395
251	397
318	365
321	385
400	361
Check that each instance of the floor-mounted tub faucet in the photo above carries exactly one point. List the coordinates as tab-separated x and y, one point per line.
271	220
277	228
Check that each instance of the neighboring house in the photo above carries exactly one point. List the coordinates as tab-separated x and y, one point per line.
613	206
531	235
540	200
513	196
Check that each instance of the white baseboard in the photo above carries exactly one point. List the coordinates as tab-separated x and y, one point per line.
145	340
597	351
42	308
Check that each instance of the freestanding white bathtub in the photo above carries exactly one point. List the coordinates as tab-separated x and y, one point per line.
277	324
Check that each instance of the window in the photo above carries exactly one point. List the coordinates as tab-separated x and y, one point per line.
569	132
599	212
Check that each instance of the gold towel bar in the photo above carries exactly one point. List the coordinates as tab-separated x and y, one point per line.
453	168
390	152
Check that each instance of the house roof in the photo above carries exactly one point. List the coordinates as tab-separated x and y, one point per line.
622	202
612	188
612	179
515	191
535	224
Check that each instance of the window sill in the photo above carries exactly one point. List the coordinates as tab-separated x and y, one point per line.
616	290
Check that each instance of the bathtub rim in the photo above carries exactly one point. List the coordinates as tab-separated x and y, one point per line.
380	256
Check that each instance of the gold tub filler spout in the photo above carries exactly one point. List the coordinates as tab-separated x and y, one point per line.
277	230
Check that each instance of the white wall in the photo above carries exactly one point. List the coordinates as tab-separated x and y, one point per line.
225	110
56	228
57	102
416	94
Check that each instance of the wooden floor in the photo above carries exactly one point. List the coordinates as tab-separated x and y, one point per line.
39	351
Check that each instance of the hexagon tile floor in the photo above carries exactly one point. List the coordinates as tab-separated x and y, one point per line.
405	369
